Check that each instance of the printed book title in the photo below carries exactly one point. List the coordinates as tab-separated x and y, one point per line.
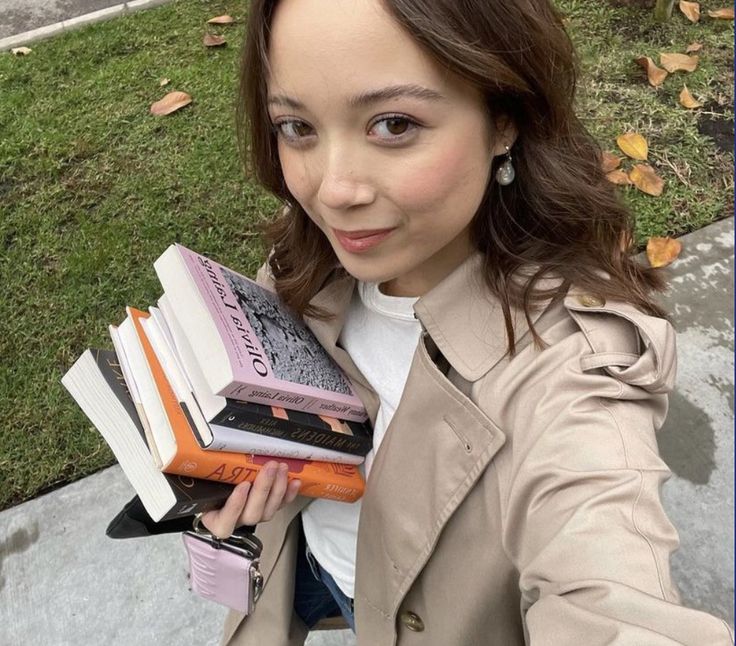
259	365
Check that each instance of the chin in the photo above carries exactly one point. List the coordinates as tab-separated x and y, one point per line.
364	272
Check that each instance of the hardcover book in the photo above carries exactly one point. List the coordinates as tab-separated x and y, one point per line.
181	454
97	384
231	423
246	342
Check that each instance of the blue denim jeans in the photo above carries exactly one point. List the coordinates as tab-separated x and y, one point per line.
316	595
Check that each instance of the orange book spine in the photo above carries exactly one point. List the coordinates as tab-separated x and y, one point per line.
319	479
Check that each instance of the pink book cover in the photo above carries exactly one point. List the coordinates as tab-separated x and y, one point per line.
275	358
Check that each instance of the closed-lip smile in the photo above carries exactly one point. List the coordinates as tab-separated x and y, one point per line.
364	233
358	241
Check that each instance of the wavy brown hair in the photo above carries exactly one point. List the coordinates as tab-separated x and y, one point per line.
560	216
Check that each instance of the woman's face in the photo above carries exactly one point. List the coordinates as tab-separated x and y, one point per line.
388	153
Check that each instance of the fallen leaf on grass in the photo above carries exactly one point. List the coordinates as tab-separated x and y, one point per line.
211	40
172	102
687	100
723	14
655	75
163	82
21	51
691	10
618	176
677	62
662	251
633	145
645	178
609	162
221	20
693	47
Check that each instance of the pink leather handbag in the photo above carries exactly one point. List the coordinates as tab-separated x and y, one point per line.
224	570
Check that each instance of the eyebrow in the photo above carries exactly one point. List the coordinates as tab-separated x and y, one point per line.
369	97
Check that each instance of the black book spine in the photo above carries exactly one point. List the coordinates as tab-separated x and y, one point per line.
195	496
291	429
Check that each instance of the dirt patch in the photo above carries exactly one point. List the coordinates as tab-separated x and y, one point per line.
719	127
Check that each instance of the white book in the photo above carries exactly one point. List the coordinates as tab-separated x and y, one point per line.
97	384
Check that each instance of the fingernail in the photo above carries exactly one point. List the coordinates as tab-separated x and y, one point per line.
283	467
271	469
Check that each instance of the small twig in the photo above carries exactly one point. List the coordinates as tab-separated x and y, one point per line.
715	114
675	170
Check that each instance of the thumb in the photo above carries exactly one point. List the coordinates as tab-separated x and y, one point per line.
222	522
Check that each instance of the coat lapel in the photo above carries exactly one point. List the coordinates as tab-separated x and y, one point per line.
465	319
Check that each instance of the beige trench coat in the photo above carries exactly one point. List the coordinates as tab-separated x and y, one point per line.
513	500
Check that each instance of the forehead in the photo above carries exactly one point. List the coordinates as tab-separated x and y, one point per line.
330	49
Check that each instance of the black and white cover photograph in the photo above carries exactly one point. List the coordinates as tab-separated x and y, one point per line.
291	349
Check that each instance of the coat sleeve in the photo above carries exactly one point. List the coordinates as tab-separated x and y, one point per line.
584	523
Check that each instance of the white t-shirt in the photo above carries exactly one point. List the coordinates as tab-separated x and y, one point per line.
380	335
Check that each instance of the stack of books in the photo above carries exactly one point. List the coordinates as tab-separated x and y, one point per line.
218	379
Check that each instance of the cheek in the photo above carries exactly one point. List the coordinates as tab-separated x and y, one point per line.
452	177
295	173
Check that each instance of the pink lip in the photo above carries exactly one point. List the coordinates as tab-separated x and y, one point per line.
357	241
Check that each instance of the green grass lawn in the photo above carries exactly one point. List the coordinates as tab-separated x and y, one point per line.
93	188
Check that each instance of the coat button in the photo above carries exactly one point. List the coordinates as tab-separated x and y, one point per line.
589	300
412	621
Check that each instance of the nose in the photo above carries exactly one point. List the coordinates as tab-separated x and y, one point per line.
342	186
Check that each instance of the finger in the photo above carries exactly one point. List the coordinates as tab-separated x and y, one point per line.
276	495
252	513
292	491
222	522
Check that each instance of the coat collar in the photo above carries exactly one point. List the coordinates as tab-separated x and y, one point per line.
461	315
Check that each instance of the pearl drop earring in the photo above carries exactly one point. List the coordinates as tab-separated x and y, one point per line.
506	173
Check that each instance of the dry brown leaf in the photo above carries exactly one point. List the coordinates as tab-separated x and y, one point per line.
633	145
693	47
609	162
677	62
662	251
655	75
21	51
691	10
172	102
618	176
221	20
687	100
210	40
645	178
163	82
723	14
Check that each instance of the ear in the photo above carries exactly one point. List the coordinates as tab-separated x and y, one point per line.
504	134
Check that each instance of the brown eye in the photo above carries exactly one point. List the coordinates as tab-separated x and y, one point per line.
394	129
301	129
294	131
397	126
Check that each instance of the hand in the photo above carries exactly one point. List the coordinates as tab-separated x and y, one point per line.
250	504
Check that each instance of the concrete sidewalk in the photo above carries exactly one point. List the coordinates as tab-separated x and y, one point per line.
23	22
63	582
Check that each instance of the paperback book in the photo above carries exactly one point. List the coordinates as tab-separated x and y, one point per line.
97	384
247	344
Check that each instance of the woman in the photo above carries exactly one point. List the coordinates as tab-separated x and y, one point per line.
451	240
